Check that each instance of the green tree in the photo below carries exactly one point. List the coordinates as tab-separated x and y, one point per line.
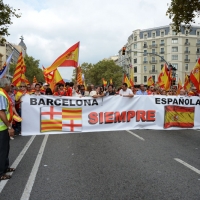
183	11
6	14
106	69
32	69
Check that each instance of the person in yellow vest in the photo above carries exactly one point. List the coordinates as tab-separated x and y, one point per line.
6	130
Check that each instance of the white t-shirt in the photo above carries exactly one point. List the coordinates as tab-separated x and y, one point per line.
127	92
92	93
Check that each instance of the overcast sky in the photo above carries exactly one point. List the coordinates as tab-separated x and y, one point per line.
50	27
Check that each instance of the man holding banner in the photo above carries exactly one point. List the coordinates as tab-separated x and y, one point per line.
6	130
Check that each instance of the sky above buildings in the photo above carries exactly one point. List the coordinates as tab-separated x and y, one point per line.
50	27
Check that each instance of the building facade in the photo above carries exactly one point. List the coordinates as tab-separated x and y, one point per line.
148	50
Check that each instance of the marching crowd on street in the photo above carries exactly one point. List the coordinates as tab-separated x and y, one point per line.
11	100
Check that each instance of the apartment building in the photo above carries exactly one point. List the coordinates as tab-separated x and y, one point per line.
147	51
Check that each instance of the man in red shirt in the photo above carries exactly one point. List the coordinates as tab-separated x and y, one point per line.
68	89
61	91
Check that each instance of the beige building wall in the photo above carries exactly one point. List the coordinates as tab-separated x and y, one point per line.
179	50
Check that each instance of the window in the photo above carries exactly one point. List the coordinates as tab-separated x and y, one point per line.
186	67
135	38
198	33
145	36
162	50
186	57
135	79
174	40
153	68
174	57
174	49
186	41
135	46
135	60
145	68
145	79
153	51
162	34
145	52
153	42
153	59
175	65
174	33
153	77
198	50
186	32
145	45
135	69
162	42
161	66
145	58
153	35
176	75
186	49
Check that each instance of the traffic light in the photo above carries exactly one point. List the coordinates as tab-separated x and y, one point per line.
123	50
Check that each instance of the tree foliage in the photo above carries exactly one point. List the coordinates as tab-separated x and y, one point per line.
32	69
183	11
106	69
6	14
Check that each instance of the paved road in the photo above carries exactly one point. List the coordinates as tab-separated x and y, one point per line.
147	165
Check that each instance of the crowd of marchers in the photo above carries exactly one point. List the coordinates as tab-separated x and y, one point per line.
11	101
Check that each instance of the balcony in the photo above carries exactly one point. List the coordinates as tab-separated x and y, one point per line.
162	44
145	54
145	46
153	71
153	46
187	52
145	61
162	52
187	43
162	61
153	62
198	52
198	44
187	60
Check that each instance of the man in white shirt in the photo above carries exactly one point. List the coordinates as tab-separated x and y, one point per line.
125	91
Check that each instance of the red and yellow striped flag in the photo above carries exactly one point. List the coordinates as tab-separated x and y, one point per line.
179	116
104	82
35	80
19	70
79	76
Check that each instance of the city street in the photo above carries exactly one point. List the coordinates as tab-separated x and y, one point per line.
135	164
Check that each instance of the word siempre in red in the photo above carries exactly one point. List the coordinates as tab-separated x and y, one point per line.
124	116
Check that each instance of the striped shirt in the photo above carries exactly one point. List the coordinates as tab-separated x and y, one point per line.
3	103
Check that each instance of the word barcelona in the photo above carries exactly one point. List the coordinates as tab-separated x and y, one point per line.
63	102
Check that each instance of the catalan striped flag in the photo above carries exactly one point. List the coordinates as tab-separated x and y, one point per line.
179	116
19	70
79	76
72	119
61	119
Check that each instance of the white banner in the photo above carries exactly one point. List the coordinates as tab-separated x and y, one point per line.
55	115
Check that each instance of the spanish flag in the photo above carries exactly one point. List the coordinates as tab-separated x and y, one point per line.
150	81
195	75
56	79
126	80
104	82
164	78
179	86
187	84
131	76
179	116
68	59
